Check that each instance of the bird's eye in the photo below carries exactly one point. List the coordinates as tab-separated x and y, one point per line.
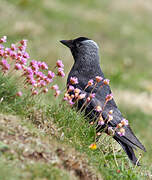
78	44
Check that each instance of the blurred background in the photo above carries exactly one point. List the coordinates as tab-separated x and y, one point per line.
123	31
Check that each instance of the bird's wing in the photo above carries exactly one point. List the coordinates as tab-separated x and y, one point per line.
129	137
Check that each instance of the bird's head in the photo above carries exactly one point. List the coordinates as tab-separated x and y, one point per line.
81	46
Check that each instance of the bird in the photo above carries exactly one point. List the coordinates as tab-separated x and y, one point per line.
87	68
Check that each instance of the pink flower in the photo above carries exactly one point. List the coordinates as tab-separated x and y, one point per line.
92	95
81	96
100	122
71	102
26	55
48	80
6	67
13	54
110	117
18	66
13	47
111	111
55	87
44	65
77	90
42	83
32	82
71	88
35	67
124	122
61	72
98	79
90	82
98	108
45	90
59	64
2	52
3	39
34	92
51	74
19	94
109	97
3	62
23	42
121	132
57	93
23	61
106	81
88	99
74	80
22	48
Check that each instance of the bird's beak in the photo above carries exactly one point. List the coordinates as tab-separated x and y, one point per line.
68	43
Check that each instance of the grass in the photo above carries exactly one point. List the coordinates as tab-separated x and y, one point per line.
123	32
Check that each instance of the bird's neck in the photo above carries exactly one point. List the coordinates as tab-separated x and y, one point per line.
88	64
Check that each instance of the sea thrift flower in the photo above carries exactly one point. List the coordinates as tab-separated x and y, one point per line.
124	122
19	94
18	66
74	80
81	96
34	92
121	132
100	122
71	88
13	47
23	42
98	108
119	125
109	97
55	87
60	64
23	61
90	82
48	80
110	117
93	146
111	112
88	99
26	55
2	52
6	67
51	74
92	95
61	72
45	90
42	83
106	81
71	102
3	39
98	79
57	93
44	66
77	90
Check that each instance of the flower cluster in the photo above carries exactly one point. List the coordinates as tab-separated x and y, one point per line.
121	130
34	74
73	95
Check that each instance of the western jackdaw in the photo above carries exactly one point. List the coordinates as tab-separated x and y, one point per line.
87	67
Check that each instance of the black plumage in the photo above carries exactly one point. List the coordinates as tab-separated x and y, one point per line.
87	66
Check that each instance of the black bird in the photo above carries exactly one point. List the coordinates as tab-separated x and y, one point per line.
87	66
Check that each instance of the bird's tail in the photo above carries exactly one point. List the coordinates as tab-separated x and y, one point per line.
128	149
